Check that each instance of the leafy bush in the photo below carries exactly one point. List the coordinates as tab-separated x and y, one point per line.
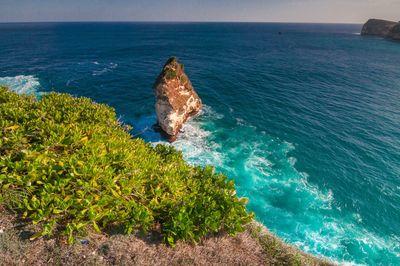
67	163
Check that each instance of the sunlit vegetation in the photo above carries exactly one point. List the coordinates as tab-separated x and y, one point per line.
68	164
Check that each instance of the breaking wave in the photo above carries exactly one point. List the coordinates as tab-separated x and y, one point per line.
282	197
21	84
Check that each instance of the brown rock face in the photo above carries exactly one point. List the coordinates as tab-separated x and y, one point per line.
176	100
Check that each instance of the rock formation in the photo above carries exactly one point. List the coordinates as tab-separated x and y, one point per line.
176	100
395	32
377	27
382	28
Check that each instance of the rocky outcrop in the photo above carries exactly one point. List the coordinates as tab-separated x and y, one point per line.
176	100
395	32
377	27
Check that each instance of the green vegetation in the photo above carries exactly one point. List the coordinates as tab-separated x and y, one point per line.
171	67
170	73
67	164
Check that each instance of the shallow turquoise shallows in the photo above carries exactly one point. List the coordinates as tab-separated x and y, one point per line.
304	117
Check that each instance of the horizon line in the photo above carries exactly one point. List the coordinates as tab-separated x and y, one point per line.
179	21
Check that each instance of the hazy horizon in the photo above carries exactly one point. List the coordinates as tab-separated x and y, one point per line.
290	11
177	22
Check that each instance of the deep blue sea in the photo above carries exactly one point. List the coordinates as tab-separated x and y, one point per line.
307	122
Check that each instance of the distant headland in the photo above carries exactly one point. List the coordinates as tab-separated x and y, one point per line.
383	28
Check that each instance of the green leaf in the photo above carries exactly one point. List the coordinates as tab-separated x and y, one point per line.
69	162
96	227
35	236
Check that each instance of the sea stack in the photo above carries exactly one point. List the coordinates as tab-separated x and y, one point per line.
176	100
382	28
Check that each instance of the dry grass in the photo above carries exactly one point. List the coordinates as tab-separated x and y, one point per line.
255	246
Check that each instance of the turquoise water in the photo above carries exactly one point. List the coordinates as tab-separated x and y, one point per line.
307	122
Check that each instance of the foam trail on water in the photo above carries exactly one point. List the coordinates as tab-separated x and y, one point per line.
21	84
106	68
195	142
282	197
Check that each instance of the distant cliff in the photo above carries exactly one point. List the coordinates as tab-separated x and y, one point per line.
383	28
395	32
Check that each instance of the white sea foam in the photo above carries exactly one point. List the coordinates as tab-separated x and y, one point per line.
106	68
194	141
240	122
209	114
21	84
196	148
340	235
265	171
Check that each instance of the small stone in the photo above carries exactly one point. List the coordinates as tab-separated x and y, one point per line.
84	242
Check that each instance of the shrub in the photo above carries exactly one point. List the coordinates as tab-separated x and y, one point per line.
170	73
67	163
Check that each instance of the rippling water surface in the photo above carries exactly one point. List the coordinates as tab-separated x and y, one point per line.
307	122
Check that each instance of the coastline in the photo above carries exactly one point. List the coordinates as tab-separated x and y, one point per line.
24	240
255	246
283	141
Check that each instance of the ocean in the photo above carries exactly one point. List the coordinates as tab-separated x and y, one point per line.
304	117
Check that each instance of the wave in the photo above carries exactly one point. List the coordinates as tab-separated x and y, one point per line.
282	197
22	84
106	68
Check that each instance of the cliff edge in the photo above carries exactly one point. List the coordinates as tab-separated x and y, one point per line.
395	32
176	100
382	28
377	27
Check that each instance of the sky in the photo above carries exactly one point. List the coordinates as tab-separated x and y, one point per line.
326	11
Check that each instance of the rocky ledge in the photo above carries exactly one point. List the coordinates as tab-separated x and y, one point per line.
383	28
395	32
176	100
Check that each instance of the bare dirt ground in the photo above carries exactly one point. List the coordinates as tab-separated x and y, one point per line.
255	246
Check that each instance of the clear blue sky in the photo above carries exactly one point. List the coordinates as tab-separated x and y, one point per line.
345	11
